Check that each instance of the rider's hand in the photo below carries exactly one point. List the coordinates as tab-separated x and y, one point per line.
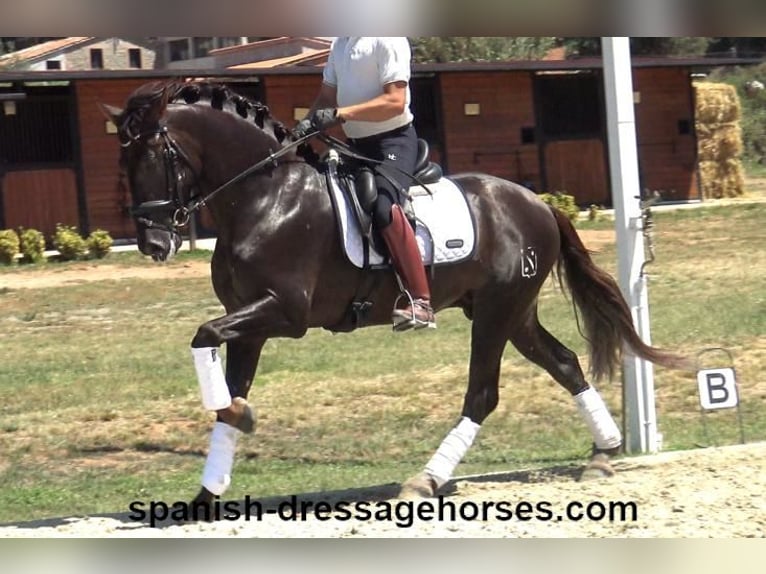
325	118
303	128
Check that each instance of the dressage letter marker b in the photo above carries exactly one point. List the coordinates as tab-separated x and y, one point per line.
717	388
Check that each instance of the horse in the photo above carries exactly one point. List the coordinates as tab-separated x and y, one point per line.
279	269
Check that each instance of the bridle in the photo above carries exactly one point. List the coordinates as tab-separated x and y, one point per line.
172	155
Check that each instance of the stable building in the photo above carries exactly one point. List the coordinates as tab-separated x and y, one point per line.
539	123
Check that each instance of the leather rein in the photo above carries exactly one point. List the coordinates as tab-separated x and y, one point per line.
181	210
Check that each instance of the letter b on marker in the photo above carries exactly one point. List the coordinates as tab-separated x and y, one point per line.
717	388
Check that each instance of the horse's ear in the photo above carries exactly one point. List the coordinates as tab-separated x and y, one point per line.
111	113
158	103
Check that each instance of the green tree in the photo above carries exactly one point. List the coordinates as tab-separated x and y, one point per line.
753	103
478	48
742	47
653	46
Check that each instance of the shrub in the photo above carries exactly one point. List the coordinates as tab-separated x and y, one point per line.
595	212
563	202
99	243
9	246
69	243
32	243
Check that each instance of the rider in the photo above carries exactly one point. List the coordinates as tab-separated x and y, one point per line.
365	89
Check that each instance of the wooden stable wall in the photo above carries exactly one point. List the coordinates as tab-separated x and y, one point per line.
40	199
100	155
491	141
667	156
285	93
578	168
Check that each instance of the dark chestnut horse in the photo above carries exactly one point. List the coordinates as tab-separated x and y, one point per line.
279	268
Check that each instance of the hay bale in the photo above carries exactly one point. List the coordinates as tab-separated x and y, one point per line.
722	178
716	103
719	142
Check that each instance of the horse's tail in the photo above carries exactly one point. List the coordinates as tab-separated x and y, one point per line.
608	323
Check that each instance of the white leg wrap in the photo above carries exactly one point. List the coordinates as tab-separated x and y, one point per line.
451	451
216	476
212	383
605	433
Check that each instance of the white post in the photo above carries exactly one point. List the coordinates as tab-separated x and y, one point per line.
638	374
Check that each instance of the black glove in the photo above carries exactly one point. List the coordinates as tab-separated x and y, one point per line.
303	128
325	118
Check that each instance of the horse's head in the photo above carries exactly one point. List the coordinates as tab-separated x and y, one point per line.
155	170
160	171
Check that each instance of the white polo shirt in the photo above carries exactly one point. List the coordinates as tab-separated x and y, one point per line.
359	68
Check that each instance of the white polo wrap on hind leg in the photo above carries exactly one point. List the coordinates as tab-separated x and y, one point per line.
212	382
216	475
451	451
605	433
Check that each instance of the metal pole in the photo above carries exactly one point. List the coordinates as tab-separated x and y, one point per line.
193	232
638	375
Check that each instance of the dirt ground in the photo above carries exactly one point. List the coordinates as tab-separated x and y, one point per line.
86	272
714	492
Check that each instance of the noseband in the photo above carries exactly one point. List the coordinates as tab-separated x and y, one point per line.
172	154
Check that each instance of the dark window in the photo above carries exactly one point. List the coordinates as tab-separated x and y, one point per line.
134	58
179	50
527	135
202	46
251	90
228	41
570	105
40	132
425	108
53	65
97	59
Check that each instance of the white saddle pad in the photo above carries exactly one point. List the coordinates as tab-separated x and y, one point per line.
444	231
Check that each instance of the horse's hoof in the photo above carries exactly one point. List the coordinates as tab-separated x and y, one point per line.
201	506
417	487
204	497
239	415
597	468
246	421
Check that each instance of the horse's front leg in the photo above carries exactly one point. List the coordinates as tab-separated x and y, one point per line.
245	331
241	363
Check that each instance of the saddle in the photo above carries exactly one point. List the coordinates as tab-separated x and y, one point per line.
362	191
445	230
436	207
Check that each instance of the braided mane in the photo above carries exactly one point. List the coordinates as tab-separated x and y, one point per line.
149	102
222	98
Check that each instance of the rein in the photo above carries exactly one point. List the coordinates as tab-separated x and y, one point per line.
182	211
348	151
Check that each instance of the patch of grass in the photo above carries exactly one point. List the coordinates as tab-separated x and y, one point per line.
99	403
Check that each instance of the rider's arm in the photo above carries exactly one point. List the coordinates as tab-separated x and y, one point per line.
326	98
387	105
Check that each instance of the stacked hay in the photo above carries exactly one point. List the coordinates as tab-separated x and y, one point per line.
719	140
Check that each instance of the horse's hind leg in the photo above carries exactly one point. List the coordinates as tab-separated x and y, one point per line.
488	340
543	349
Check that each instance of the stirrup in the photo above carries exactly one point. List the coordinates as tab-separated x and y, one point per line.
406	319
